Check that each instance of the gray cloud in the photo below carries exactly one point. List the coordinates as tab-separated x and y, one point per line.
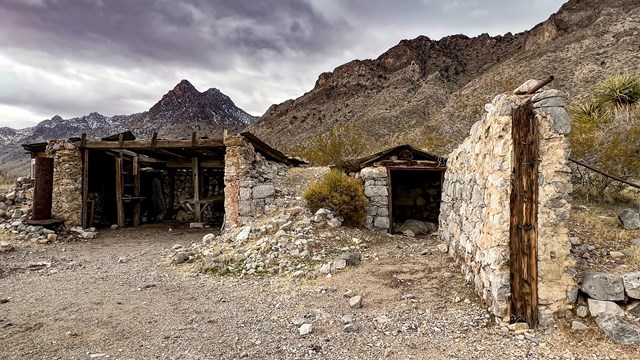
70	57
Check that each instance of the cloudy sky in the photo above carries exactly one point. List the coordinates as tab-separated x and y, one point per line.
73	57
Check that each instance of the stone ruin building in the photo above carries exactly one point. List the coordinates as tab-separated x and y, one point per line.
124	181
500	201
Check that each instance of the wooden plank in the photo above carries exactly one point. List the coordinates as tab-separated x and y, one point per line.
136	191
146	144
195	169
120	140
210	164
43	189
524	216
85	189
83	140
194	138
119	192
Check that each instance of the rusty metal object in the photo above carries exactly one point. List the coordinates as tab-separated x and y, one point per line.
43	190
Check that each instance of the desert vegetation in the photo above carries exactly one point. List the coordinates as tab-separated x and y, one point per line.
606	134
340	193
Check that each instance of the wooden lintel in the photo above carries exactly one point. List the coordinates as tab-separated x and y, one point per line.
146	144
209	164
408	163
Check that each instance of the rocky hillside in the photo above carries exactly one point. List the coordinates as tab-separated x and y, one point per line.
429	92
181	111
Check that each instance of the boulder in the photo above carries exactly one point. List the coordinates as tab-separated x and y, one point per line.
419	227
305	329
598	307
629	219
243	234
355	302
602	286
631	282
619	330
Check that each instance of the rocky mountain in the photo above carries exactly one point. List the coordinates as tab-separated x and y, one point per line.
429	92
181	111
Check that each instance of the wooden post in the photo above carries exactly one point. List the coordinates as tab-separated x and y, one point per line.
85	189
43	190
195	169
119	203
154	139
136	191
523	244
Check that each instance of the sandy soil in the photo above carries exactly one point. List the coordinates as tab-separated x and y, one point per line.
116	297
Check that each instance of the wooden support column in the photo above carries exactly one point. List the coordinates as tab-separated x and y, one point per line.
85	187
523	244
43	191
195	169
119	188
136	191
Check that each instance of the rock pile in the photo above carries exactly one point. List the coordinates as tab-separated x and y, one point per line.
294	242
614	301
15	209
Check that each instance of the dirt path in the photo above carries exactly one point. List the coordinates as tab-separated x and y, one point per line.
115	297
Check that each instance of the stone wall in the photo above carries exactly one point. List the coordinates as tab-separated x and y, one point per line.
376	190
250	183
67	181
475	213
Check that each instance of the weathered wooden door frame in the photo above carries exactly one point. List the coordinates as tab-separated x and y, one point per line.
523	244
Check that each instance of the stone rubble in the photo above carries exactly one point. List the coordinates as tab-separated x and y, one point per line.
293	242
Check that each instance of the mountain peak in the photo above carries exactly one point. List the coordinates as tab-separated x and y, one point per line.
184	87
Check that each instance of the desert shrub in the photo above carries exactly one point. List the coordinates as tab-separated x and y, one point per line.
340	193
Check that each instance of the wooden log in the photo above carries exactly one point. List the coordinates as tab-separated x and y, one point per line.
119	193
43	190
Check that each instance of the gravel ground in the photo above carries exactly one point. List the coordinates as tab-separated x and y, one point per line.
117	297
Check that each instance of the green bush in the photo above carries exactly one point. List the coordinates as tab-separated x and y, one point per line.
340	193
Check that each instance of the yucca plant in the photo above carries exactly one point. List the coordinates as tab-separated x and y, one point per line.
621	92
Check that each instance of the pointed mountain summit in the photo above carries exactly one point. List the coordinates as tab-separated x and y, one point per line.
178	113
